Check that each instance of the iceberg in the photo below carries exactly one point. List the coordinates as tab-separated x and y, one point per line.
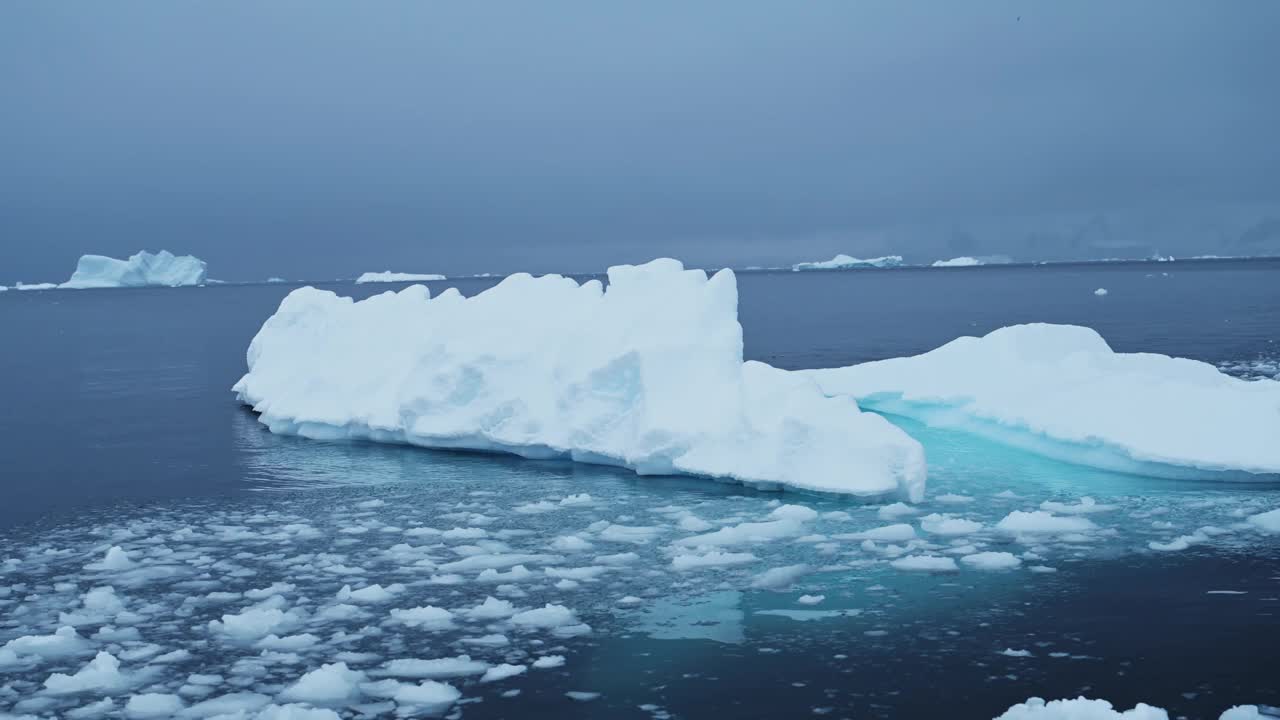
957	262
1062	391
647	374
846	262
144	269
392	277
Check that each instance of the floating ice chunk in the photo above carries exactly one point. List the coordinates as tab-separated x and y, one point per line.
392	277
486	561
925	563
65	642
900	532
1267	521
848	262
895	511
692	523
492	640
1061	391
515	574
101	674
293	712
1084	507
547	662
333	684
954	499
115	559
153	705
370	594
1010	652
536	508
502	672
581	696
785	521
1079	709
811	599
579	500
431	696
991	561
634	534
1035	522
98	605
547	617
142	269
491	609
780	577
937	524
647	374
617	559
241	703
289	643
253	623
570	543
1243	712
277	588
449	667
427	617
715	558
1100	292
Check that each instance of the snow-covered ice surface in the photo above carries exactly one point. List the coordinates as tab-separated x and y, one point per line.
847	262
647	374
1061	390
143	269
395	277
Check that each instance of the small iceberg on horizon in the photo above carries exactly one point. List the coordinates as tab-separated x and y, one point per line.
143	269
848	262
1061	391
394	277
958	262
646	374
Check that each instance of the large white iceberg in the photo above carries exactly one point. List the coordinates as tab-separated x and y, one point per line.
846	262
140	270
391	277
1061	390
647	374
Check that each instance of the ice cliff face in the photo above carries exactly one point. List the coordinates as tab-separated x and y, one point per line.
140	270
1061	390
647	374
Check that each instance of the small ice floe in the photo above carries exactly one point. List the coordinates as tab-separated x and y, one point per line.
1100	292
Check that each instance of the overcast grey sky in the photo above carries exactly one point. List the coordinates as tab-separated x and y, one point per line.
316	139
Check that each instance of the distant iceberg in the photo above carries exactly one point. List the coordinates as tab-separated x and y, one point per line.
141	270
647	374
846	262
1062	391
391	277
35	286
958	262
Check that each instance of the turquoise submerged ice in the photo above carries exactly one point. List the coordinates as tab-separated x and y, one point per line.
1060	390
647	374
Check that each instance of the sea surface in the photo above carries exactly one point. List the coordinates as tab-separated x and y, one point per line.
119	429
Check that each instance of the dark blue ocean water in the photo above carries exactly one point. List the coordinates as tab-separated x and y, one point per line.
117	408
